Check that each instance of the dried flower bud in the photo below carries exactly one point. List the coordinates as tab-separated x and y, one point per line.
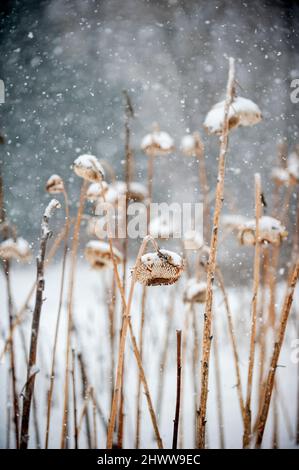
55	185
89	168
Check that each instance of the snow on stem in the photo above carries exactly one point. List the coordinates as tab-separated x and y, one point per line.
40	285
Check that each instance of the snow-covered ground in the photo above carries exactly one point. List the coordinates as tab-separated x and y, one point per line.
91	338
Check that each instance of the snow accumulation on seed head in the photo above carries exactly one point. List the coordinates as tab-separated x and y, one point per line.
161	227
88	167
157	143
193	240
293	166
55	185
192	145
163	267
271	230
195	291
98	254
188	144
242	112
18	249
280	176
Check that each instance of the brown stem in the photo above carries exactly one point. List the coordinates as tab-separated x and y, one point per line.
74	400
276	352
206	346
256	280
52	373
31	372
233	340
20	314
178	392
126	323
138	399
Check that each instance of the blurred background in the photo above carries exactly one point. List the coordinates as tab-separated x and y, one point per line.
65	64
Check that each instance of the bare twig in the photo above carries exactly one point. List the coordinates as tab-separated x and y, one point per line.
31	371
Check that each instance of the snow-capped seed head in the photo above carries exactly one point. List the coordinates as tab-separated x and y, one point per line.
193	240
98	254
55	185
242	112
270	231
160	268
137	192
88	167
161	227
293	167
195	291
192	145
96	190
157	143
280	176
18	249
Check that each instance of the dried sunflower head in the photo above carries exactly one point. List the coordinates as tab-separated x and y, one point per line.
55	185
89	168
195	291
270	231
157	143
242	112
98	254
160	268
192	145
18	249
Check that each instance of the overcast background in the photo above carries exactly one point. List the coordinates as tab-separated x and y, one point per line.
65	63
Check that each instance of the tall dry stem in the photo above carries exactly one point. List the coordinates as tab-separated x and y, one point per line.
206	346
256	280
53	363
31	370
